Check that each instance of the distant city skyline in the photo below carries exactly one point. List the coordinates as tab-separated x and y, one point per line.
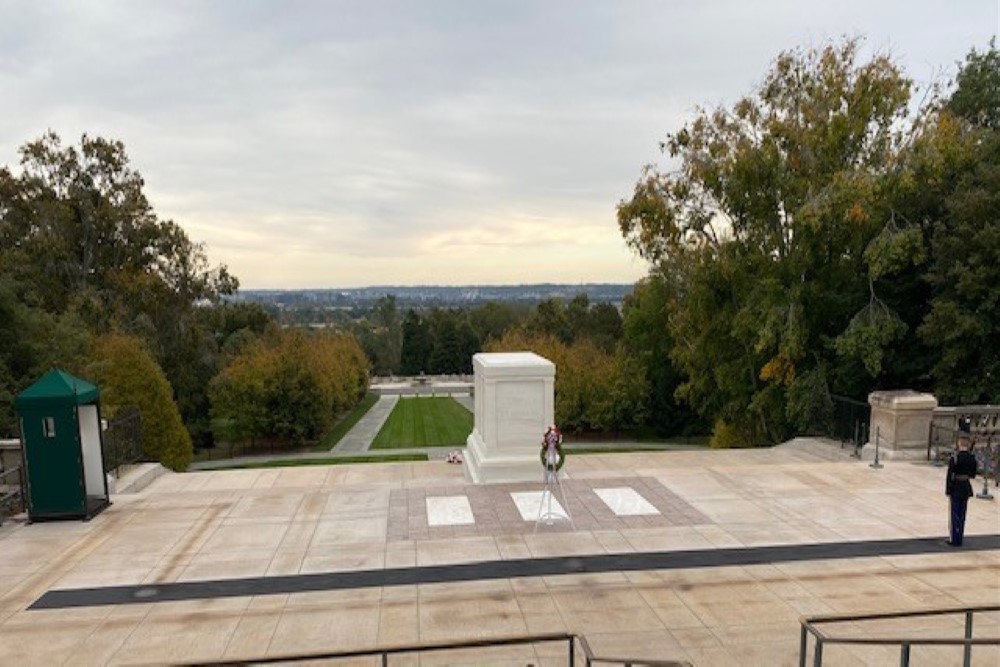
314	145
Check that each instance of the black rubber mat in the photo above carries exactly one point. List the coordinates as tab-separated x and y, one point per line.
500	569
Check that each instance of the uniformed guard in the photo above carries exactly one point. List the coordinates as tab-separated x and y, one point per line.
958	487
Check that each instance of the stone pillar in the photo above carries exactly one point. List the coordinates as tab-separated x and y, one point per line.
902	419
514	403
10	454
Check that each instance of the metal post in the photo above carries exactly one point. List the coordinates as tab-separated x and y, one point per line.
572	650
875	464
904	654
818	653
385	659
967	657
803	640
985	493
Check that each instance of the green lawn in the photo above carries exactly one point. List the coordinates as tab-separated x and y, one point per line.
341	428
425	422
340	460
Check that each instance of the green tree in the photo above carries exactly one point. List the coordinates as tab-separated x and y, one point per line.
76	227
288	387
382	336
549	319
646	336
951	190
127	375
762	228
446	355
32	342
415	353
493	319
976	97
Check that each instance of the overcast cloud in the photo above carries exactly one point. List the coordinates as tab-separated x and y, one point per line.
339	144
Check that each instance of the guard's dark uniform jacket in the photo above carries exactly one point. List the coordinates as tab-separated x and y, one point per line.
958	485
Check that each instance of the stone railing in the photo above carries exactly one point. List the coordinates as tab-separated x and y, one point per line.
983	425
911	426
10	454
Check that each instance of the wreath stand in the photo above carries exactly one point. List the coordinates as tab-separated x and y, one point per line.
552	485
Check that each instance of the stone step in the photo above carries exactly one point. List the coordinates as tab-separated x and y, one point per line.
135	478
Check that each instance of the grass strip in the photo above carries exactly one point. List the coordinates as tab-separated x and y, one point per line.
425	421
340	429
340	460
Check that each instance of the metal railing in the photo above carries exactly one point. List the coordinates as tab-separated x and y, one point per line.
822	639
850	421
575	645
11	492
123	440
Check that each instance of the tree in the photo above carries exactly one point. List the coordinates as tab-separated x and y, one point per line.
604	326
77	230
761	232
383	337
594	390
976	98
952	187
549	319
32	342
646	336
493	319
288	387
76	221
446	355
417	344
127	375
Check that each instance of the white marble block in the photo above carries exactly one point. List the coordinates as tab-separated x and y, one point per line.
902	421
514	403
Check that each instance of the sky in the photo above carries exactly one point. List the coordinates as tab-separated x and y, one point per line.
348	144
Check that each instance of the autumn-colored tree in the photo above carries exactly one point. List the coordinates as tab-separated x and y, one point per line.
760	227
594	390
289	386
127	375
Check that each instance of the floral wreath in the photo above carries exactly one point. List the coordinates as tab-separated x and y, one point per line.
554	437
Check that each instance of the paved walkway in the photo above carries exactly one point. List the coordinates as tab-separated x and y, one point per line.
355	442
360	437
740	545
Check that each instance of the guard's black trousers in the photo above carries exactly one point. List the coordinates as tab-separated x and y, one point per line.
957	522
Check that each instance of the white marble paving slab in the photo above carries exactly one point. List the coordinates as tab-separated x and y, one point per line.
626	501
529	504
449	511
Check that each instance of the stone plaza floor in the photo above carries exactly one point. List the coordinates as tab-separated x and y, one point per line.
279	526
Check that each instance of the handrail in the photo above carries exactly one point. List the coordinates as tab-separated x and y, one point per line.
571	639
905	643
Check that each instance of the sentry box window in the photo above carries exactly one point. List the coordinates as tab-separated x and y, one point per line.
49	427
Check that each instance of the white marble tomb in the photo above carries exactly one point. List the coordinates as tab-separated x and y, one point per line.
514	403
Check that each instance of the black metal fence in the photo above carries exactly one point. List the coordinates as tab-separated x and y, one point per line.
123	440
849	422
